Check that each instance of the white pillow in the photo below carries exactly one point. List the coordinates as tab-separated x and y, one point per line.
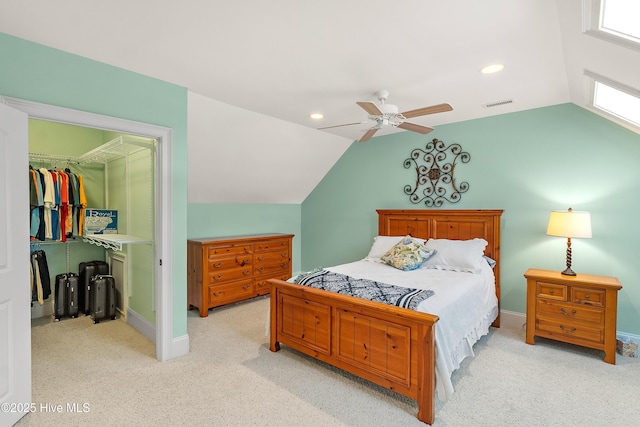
382	244
456	255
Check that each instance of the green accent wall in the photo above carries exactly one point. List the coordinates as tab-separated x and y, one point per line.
215	220
526	163
38	73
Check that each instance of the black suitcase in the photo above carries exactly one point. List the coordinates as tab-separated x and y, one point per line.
66	296
102	298
87	270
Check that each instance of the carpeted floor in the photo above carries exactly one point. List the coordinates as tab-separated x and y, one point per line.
106	374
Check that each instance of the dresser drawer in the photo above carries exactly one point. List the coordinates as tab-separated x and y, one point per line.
552	291
262	285
271	258
225	250
594	297
272	245
234	291
562	312
216	265
216	277
568	331
271	268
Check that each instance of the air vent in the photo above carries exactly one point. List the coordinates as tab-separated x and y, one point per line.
497	103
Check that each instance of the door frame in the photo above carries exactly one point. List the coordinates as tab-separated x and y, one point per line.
163	232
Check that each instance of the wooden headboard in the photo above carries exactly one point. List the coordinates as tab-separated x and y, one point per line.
447	224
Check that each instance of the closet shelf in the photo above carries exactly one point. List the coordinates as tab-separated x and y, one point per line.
121	146
116	148
114	241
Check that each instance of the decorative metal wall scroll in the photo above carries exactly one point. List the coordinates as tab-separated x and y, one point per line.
435	165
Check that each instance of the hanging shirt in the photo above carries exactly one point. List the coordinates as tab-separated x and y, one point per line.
83	205
49	201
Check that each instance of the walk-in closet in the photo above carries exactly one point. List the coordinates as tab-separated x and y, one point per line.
118	175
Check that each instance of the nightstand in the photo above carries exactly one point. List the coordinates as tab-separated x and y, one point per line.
579	309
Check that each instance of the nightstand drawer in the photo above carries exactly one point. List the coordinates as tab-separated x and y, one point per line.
560	312
593	297
552	291
566	331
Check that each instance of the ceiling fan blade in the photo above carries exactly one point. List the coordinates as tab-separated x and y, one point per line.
370	108
367	136
440	108
337	126
415	128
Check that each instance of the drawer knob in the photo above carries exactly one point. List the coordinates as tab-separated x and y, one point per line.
217	265
563	311
551	291
587	296
566	330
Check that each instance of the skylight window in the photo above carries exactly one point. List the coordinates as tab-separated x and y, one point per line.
613	101
613	20
622	18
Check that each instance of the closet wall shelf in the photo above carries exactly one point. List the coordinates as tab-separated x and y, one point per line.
121	146
114	241
116	148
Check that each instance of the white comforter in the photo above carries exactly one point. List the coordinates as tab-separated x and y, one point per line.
466	304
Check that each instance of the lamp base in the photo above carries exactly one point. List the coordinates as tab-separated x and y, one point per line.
568	272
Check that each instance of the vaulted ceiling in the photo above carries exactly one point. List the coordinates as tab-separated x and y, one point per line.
275	62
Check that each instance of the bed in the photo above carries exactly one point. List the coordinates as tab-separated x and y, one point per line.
405	350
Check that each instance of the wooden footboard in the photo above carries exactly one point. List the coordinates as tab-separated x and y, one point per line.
387	345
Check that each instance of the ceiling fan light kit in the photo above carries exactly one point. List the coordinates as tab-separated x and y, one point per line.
387	115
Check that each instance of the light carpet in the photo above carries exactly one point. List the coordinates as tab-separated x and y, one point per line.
108	375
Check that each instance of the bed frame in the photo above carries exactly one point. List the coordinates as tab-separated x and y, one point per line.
387	345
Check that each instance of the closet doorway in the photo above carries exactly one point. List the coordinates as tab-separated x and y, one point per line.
158	248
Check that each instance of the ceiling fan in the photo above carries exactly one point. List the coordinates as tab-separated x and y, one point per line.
387	115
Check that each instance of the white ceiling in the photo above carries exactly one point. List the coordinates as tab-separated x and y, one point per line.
287	58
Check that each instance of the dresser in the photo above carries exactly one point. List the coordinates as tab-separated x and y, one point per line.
222	270
579	309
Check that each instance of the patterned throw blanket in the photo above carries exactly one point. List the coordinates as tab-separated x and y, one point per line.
364	288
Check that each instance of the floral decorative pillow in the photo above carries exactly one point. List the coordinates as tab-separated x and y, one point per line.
382	244
407	254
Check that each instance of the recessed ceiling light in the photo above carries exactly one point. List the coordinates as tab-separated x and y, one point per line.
316	116
493	68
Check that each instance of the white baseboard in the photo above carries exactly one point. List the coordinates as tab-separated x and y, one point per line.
180	346
512	319
141	324
43	310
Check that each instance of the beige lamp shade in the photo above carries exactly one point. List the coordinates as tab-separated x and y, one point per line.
569	224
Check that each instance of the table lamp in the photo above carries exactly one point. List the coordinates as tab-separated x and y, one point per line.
569	224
